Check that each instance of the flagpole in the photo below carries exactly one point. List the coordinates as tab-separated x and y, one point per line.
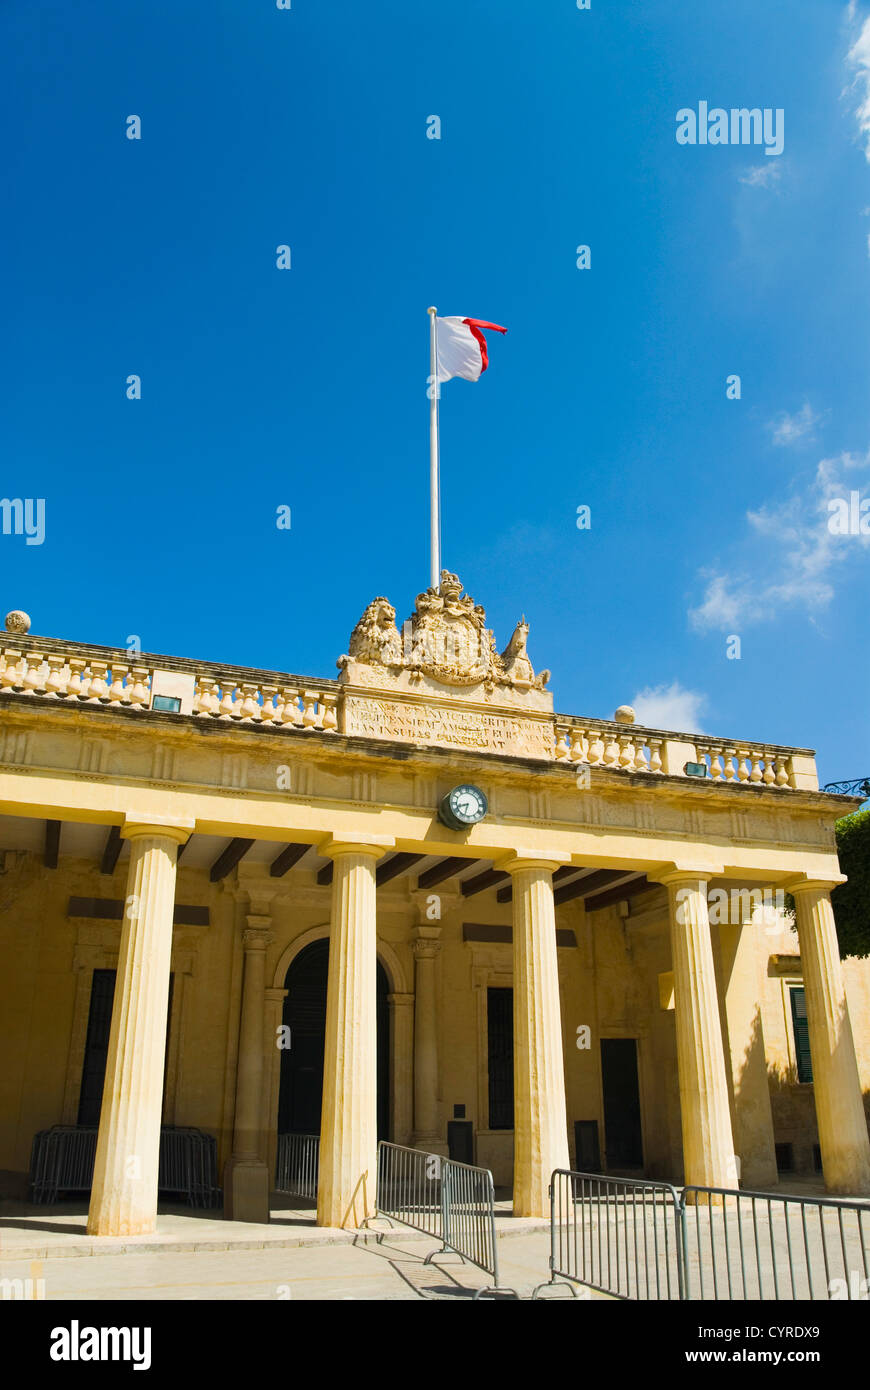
434	483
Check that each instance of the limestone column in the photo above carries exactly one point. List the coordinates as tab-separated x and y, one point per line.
124	1191
402	1073
743	1039
708	1144
427	948
540	1117
246	1175
839	1110
272	1054
347	1181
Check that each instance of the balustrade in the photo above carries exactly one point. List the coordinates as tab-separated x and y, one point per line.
227	696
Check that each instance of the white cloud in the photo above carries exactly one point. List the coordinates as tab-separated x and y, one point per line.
859	59
794	556
762	175
670	707
788	429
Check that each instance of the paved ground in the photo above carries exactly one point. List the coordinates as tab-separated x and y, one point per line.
393	1269
198	1255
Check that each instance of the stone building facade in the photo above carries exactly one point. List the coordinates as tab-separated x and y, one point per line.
413	903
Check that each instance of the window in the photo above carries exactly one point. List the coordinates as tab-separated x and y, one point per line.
500	1039
801	1034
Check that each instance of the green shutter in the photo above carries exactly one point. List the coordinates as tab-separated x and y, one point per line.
801	1034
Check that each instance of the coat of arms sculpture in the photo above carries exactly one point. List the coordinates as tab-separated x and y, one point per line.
446	639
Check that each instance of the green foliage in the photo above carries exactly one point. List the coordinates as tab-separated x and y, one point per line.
851	901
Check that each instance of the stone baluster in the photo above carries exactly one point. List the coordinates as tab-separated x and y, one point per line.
330	713
561	749
655	754
310	717
55	681
268	712
249	707
288	710
730	754
626	750
228	705
9	670
118	694
207	700
611	749
31	676
578	745
640	756
769	776
742	760
11	674
596	748
99	685
756	774
782	772
139	692
716	771
74	680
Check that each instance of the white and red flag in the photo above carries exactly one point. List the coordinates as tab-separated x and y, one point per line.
461	347
457	347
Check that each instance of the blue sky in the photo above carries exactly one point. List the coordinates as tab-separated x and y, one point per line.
306	387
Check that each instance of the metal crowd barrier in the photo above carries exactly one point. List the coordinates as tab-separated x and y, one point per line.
454	1202
298	1164
614	1234
62	1160
646	1240
760	1245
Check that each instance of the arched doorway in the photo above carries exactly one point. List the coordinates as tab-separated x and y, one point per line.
301	1090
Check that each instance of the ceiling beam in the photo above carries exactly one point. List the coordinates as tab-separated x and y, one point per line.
182	847
52	844
290	855
504	895
488	879
395	866
445	869
618	895
114	845
227	861
581	887
324	875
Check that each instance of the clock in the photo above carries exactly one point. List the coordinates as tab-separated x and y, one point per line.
463	806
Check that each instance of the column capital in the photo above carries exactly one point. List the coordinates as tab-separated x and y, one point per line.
373	845
516	862
174	828
257	936
676	873
812	885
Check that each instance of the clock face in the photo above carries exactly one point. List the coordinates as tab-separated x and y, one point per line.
468	804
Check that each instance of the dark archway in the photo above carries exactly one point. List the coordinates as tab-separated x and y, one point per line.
301	1092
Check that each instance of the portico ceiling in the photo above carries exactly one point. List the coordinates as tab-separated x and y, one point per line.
218	856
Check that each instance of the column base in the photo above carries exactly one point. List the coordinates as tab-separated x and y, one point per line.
246	1191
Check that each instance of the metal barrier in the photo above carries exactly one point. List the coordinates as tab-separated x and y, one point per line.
646	1240
62	1160
761	1245
614	1234
298	1164
454	1202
